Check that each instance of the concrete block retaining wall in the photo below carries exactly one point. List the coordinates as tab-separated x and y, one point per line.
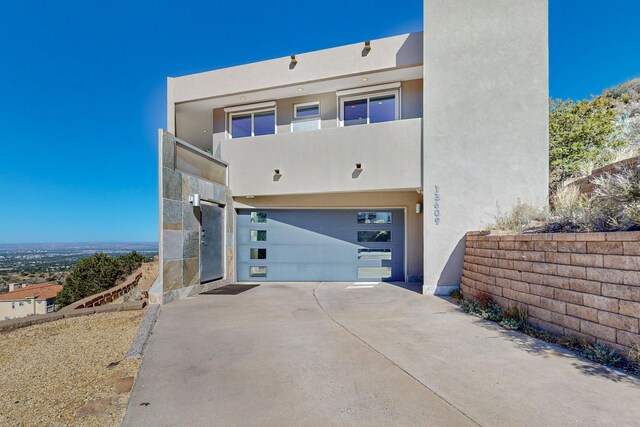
107	296
586	183
583	284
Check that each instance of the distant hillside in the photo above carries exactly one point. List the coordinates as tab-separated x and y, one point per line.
629	90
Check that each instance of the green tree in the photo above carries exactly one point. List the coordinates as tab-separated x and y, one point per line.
579	132
95	274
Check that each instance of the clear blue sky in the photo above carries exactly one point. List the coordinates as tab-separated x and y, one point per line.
82	89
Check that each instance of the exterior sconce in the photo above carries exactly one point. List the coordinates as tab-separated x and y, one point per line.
367	46
276	172
418	208
358	166
195	200
293	62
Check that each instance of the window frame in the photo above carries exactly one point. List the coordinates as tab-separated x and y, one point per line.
368	96
314	118
252	113
306	104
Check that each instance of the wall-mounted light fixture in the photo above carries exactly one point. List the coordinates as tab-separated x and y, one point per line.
358	166
195	200
276	172
367	45
418	208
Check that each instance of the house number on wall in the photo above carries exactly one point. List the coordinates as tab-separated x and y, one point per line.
436	205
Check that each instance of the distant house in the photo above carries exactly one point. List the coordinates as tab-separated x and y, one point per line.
28	300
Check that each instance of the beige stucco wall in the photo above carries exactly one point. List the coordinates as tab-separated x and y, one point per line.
27	308
387	53
390	199
486	120
324	161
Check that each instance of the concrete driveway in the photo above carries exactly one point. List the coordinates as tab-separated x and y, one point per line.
342	354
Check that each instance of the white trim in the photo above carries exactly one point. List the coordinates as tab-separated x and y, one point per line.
367	96
249	107
367	89
306	104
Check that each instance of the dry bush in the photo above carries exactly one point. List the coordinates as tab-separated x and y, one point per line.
521	217
484	300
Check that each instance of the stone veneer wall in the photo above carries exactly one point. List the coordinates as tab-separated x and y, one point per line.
584	284
179	273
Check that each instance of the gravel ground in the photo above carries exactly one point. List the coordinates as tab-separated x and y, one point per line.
70	372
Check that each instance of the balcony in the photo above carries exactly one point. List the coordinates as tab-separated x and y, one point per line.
324	161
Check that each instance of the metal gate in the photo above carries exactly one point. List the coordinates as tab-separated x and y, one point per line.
211	243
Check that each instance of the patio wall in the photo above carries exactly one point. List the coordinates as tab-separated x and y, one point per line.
583	284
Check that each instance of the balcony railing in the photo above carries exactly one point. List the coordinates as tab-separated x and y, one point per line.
320	161
193	161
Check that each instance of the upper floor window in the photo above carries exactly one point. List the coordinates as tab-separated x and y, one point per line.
306	117
369	109
253	124
373	104
251	120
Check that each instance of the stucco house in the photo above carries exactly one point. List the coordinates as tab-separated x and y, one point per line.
357	163
26	300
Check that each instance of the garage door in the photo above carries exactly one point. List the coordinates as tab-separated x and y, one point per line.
320	245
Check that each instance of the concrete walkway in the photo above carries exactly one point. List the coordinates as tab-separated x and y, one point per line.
331	354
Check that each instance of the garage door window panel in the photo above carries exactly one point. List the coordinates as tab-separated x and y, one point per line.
258	217
258	235
374	217
369	236
374	272
374	254
258	253
258	271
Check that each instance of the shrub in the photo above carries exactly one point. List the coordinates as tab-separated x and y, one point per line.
484	300
614	206
578	132
602	354
521	217
456	294
493	312
634	356
538	333
95	274
468	306
483	307
514	317
572	342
